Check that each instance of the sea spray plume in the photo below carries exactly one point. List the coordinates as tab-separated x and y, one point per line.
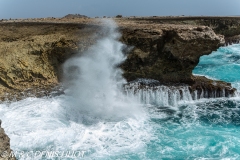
94	80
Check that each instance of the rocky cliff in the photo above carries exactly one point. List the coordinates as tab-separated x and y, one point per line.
169	53
33	52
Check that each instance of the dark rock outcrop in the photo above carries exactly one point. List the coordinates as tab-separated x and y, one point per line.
207	88
169	54
5	151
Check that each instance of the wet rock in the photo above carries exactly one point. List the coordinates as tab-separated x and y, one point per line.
207	88
233	40
5	151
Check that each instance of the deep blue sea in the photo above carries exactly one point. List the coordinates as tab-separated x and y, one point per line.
99	121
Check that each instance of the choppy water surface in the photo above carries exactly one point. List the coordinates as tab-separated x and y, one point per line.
98	119
204	128
223	64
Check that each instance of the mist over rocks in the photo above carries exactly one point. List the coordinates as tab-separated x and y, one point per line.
33	52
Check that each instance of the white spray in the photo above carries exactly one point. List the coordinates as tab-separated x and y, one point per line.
93	116
94	80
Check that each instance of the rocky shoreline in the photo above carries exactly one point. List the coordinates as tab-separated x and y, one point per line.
5	151
162	48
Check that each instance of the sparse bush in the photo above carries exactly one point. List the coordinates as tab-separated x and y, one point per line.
119	16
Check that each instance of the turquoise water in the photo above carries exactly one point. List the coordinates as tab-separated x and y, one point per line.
103	123
195	130
207	129
203	129
223	64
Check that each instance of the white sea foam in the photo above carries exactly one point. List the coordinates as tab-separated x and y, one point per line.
48	124
93	115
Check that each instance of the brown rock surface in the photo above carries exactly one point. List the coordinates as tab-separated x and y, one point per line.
167	54
5	151
207	88
227	26
32	52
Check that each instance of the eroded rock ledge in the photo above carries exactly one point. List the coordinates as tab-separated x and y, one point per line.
167	54
32	52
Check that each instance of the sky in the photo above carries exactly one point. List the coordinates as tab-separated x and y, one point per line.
93	8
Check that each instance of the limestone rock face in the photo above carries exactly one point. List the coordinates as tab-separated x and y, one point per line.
32	53
5	151
227	26
168	55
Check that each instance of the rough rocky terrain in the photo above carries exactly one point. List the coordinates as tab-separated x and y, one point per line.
33	51
227	26
167	53
163	48
32	55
